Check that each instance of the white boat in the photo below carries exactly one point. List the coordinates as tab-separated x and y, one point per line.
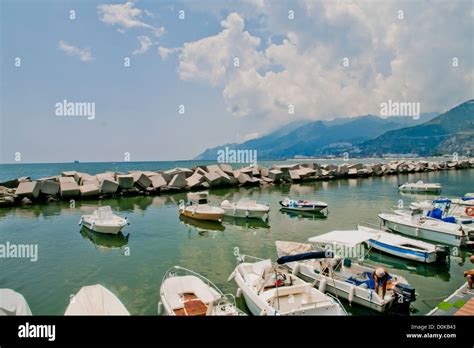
345	278
390	243
95	300
420	186
245	208
103	220
429	228
187	293
302	205
197	207
273	290
13	303
459	210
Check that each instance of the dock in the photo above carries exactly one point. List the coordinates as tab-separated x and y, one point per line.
460	302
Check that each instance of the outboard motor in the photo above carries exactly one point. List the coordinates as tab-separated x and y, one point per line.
442	253
405	293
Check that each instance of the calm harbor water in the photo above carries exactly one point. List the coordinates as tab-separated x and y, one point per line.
132	268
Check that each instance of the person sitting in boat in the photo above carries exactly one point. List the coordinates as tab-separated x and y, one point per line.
469	275
381	278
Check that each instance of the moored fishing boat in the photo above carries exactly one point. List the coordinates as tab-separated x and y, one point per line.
95	300
197	207
389	243
426	227
245	208
345	278
13	303
187	293
302	205
271	290
420	186
103	220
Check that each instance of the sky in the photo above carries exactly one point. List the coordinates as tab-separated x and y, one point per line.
203	73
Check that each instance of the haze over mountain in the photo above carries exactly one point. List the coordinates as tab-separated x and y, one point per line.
452	131
317	138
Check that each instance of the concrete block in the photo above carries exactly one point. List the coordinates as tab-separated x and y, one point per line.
30	189
49	187
69	189
194	180
157	181
178	180
294	174
141	180
89	190
275	174
125	181
108	186
66	179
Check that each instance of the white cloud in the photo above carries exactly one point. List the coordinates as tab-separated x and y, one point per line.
84	54
213	59
165	52
145	44
126	16
406	59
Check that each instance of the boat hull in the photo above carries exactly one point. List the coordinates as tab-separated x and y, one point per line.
423	233
401	252
201	216
107	229
258	307
242	213
342	291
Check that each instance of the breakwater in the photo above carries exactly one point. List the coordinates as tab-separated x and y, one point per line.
76	185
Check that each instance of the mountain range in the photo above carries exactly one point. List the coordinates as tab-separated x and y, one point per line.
368	135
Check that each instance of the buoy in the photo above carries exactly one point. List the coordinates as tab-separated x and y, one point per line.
469	211
80	221
322	285
246	213
352	291
238	293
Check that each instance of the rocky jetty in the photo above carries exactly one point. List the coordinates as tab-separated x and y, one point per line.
76	185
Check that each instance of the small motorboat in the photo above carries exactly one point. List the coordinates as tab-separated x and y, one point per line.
302	205
246	208
95	300
427	227
420	186
187	293
13	303
388	243
343	277
103	220
272	290
197	207
460	210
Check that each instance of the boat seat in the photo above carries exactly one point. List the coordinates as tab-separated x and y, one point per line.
285	291
175	287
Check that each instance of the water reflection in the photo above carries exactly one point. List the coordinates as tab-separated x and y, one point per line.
437	270
201	225
107	241
307	215
246	223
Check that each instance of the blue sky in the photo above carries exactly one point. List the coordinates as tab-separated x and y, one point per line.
191	62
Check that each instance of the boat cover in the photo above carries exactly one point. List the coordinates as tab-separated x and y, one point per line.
346	238
95	300
13	303
305	256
